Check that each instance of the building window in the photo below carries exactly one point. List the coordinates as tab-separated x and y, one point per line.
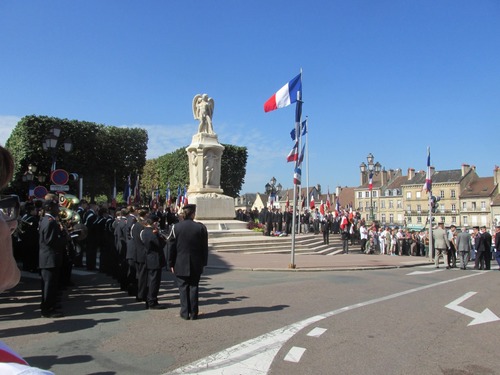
383	218
367	194
419	219
419	207
418	194
367	217
391	205
464	205
399	204
391	218
483	205
441	208
408	207
464	220
443	219
382	204
408	195
408	219
367	204
454	220
453	207
441	194
387	193
453	194
473	205
360	194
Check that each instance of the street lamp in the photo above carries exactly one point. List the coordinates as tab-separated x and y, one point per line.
371	169
51	143
272	189
29	177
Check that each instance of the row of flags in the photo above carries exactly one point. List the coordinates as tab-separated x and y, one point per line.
133	195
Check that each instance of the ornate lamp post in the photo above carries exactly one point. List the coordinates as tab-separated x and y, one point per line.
372	169
51	144
30	177
272	189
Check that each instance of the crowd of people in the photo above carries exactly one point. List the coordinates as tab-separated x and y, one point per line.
464	245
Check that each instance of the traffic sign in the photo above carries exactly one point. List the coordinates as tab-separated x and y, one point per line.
40	192
59	187
59	177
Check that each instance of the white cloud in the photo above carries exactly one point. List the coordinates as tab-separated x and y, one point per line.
7	124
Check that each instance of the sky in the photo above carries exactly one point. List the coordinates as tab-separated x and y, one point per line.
385	77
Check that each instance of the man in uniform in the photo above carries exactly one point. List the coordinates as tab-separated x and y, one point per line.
483	248
441	244
187	256
53	241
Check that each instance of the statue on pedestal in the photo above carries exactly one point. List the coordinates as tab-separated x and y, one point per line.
203	110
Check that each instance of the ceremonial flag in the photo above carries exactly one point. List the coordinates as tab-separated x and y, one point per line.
303	130
337	205
322	208
167	194
328	200
428	179
287	204
294	153
137	192
285	96
178	199
370	181
311	204
301	158
297	175
184	197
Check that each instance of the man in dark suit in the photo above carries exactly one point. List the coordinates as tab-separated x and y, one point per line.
53	241
483	248
155	260
188	255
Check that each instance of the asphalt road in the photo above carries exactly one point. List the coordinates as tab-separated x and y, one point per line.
392	321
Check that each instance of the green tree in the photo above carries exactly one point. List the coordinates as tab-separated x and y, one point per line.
101	154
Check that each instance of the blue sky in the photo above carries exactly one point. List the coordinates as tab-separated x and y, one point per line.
379	76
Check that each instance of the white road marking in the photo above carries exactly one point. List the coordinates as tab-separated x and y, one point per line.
424	272
487	316
316	332
294	354
255	356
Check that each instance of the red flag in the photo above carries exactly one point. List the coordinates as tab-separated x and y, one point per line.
311	204
294	153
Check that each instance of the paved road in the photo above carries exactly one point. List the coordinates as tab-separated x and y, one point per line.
385	321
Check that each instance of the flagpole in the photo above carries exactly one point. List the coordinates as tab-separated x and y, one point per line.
429	193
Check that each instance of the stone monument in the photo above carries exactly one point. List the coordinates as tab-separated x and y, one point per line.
205	153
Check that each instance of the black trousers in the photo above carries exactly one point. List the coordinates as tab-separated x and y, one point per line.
50	286
154	281
188	293
142	280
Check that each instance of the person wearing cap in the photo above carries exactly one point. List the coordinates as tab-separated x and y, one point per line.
464	246
52	242
10	361
483	248
441	244
497	244
188	255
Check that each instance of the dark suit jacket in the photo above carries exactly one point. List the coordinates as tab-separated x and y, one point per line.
140	250
484	243
188	253
154	249
52	243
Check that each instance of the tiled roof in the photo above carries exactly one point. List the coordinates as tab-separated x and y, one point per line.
482	187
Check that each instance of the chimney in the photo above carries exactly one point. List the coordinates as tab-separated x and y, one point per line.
496	175
465	169
433	169
338	189
411	173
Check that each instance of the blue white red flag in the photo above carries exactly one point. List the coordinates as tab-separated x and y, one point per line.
301	158
311	204
184	197
297	176
294	153
303	130
428	179
337	205
284	96
370	181
328	200
179	197
167	194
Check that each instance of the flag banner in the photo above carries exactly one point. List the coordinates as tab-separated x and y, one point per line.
301	158
297	176
137	192
287	204
126	190
370	181
178	199
294	153
311	204
302	130
285	96
322	208
167	194
428	179
328	200
337	205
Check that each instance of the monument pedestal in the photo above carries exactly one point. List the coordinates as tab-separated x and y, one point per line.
213	206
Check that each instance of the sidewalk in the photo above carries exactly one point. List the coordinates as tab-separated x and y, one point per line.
311	262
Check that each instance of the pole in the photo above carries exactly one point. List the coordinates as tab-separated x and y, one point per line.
430	226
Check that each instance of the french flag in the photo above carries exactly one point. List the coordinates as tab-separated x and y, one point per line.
294	153
428	179
285	95
297	176
370	181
